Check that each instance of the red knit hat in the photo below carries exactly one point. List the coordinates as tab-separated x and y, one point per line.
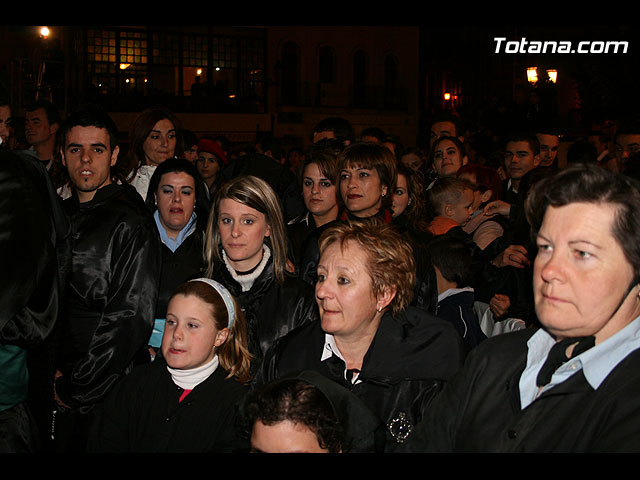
212	147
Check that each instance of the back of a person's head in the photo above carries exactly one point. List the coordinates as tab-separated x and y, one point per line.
582	151
452	257
445	191
272	145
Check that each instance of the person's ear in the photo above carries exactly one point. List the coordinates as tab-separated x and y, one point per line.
486	196
536	160
114	155
448	210
221	337
386	297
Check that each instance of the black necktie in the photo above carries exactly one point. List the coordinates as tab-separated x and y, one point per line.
557	356
350	373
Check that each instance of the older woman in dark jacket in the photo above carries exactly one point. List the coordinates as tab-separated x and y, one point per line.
393	356
571	385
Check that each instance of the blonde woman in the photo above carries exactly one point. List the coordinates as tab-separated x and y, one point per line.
246	251
369	339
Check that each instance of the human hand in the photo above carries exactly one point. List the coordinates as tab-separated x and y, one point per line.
499	304
514	256
497	207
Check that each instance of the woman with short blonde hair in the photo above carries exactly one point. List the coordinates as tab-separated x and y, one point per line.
391	263
392	355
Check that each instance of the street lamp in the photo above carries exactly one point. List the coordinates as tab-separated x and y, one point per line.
532	75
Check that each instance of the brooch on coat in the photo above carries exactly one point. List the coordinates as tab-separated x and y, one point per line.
400	427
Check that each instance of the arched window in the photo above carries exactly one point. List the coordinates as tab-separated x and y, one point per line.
360	78
326	65
390	75
290	84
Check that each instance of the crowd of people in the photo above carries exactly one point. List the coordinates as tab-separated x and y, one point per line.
182	294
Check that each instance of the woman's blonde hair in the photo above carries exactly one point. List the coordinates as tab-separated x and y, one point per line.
390	258
257	194
233	354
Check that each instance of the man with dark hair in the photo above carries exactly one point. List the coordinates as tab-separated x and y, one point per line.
372	134
445	124
334	127
522	154
601	143
549	144
627	142
42	121
108	312
307	412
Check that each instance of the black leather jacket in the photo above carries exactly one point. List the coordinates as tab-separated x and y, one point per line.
111	299
271	309
409	360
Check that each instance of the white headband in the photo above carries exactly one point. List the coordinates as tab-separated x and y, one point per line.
226	297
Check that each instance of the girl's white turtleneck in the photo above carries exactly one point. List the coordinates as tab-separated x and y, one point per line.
189	379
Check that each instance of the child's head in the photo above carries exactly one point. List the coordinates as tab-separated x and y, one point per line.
451	259
203	321
486	181
452	198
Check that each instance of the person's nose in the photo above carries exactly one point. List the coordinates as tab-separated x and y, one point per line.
235	230
552	268
178	334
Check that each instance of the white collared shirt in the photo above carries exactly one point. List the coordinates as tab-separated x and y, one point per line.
596	363
331	348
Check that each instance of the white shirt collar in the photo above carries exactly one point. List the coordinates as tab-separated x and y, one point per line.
596	363
330	349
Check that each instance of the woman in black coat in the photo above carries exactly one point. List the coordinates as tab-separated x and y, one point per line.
393	356
246	250
177	199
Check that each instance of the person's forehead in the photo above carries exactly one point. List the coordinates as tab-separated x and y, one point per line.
548	139
444	126
37	113
519	146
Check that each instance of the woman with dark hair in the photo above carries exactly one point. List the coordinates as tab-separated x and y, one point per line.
366	177
570	385
246	249
152	140
306	412
369	339
408	205
211	160
180	208
446	157
318	178
368	174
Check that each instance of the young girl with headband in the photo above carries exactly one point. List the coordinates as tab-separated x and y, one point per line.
186	400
